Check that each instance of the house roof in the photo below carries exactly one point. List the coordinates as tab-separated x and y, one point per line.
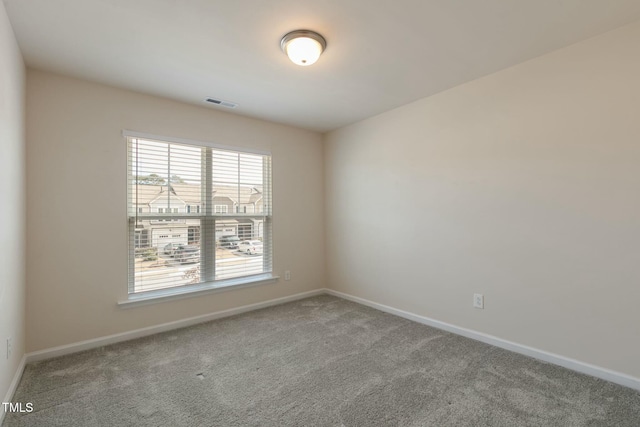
188	192
145	194
239	194
191	193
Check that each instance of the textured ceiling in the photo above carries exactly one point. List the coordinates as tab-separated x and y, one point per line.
380	54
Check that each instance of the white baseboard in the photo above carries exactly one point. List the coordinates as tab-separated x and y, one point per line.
14	385
574	365
138	333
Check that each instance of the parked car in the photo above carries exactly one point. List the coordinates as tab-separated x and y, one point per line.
250	247
229	242
170	248
187	253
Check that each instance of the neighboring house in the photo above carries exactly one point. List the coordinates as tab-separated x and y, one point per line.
181	198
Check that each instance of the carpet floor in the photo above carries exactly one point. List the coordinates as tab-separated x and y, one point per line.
321	361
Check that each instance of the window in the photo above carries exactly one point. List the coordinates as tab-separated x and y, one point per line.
220	209
179	247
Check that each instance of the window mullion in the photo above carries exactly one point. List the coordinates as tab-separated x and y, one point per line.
168	178
132	250
267	231
208	224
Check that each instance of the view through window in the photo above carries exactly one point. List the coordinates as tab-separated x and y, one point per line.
197	214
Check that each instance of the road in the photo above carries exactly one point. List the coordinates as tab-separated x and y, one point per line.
172	273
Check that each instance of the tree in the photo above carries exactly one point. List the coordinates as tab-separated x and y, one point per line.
152	179
175	179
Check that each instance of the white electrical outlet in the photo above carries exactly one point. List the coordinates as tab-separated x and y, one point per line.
9	347
287	275
478	300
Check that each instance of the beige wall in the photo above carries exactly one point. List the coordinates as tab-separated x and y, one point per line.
12	194
76	206
523	185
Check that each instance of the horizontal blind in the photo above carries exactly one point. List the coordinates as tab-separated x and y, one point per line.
196	214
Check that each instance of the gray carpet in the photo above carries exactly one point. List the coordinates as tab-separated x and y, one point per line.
321	361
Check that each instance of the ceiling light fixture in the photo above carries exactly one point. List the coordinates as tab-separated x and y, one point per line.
303	47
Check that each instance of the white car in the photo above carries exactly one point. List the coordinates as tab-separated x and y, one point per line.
250	247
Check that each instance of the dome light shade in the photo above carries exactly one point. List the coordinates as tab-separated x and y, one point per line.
303	47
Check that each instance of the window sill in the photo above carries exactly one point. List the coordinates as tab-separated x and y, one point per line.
163	295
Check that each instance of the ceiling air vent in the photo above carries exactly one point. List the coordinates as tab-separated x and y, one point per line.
221	103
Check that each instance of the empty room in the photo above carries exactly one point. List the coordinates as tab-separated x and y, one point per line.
330	213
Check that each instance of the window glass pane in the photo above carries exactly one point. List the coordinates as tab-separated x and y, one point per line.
160	170
166	255
234	257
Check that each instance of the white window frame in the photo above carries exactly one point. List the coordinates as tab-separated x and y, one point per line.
207	222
